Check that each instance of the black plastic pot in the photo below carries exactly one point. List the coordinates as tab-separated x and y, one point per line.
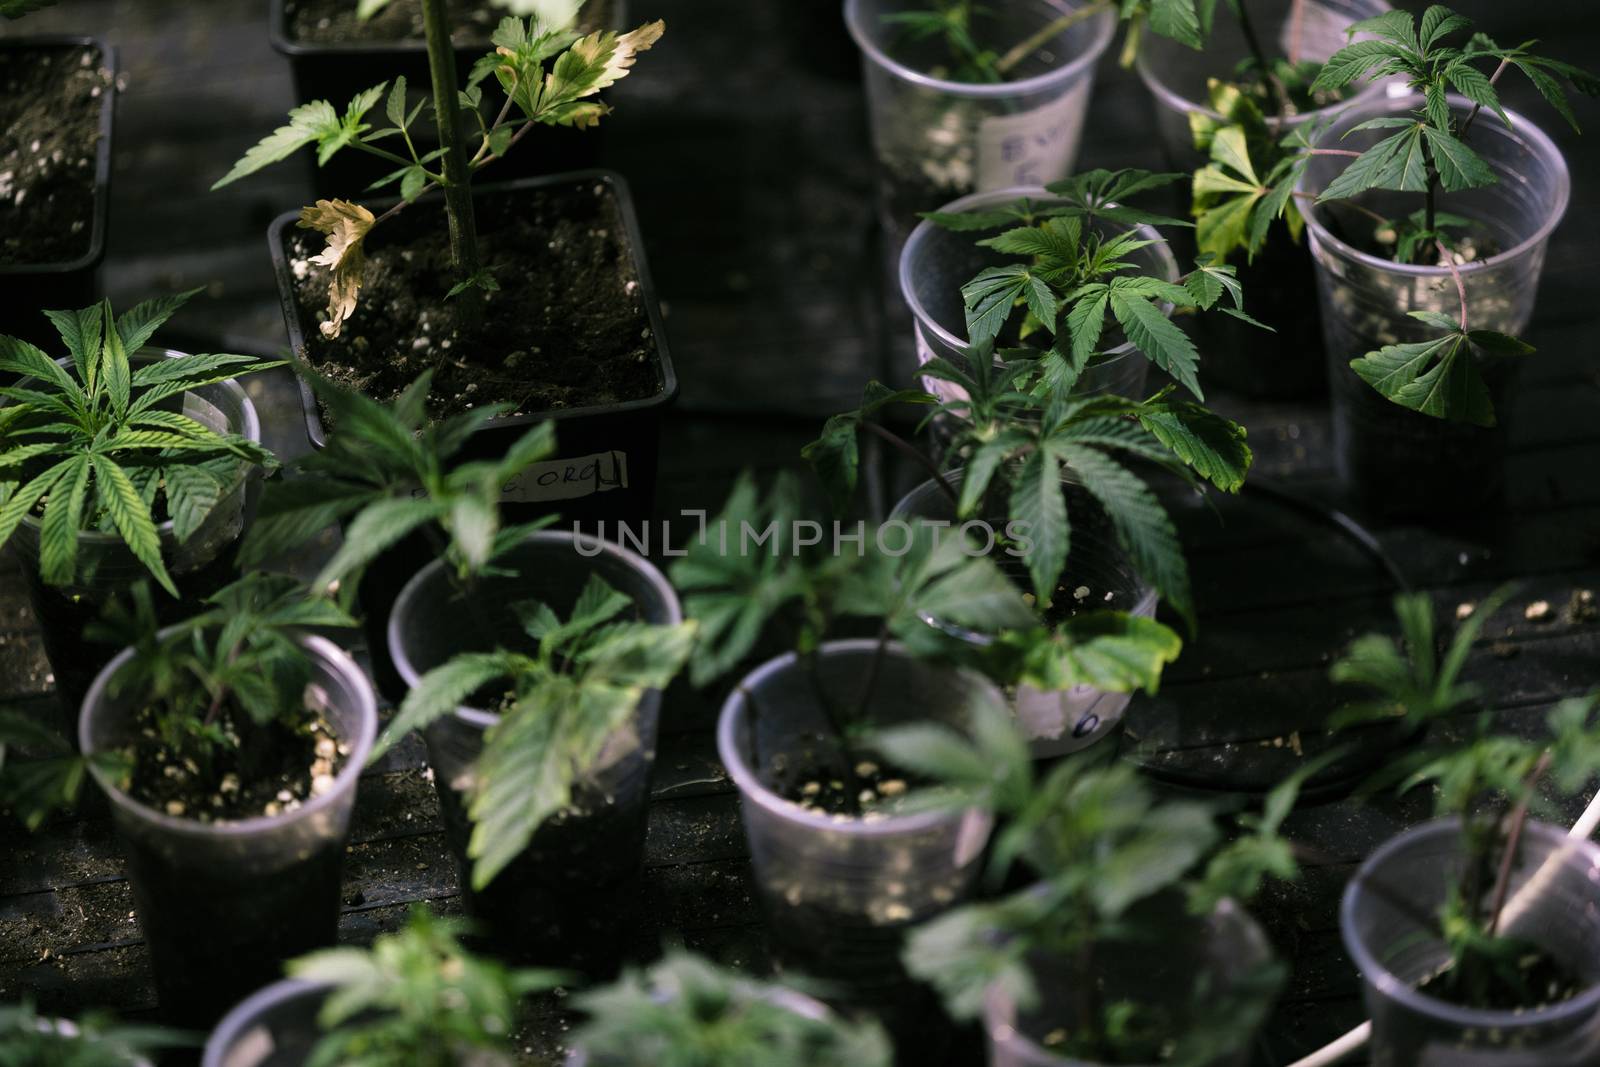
571	897
199	566
597	446
31	287
273	1027
337	72
224	905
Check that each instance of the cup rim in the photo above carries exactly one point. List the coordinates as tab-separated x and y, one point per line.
1539	144
1176	101
753	790
548	538
855	19
337	661
240	1017
973	201
1391	985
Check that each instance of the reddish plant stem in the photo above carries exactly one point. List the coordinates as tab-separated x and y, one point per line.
904	448
1455	273
1519	818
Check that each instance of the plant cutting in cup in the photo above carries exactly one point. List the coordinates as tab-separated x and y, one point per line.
417	998
1430	153
1460	909
1129	946
550	75
240	736
686	1010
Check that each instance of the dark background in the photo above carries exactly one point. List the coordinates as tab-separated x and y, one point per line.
754	184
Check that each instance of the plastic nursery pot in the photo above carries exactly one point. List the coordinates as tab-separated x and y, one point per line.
272	1027
607	454
223	905
69	282
1395	461
571	897
1551	902
937	139
840	892
1159	967
1073	719
337	70
199	566
935	263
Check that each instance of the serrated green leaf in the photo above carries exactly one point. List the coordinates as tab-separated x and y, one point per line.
130	515
308	123
1214	446
62	519
1158	338
1039	508
1396	163
1459	167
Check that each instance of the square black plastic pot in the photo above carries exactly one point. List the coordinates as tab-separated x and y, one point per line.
337	72
625	435
31	287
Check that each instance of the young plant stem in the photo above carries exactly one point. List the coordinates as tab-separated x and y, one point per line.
847	767
1461	285
1493	78
1519	818
457	173
1038	40
874	668
1285	106
901	445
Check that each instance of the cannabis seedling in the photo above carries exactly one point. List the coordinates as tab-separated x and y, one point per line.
212	685
392	472
1101	847
15	9
1428	154
549	75
28	1039
1078	272
88	443
558	707
416	998
687	1012
1021	438
1490	781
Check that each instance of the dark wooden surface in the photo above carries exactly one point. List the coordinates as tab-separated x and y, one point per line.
754	186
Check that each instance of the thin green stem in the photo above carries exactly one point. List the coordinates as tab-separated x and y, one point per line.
457	174
899	444
1038	40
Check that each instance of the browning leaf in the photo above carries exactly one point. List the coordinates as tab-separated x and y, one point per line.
346	224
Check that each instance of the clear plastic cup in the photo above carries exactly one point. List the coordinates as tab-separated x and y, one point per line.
571	898
223	905
1068	720
199	566
1401	462
840	893
273	1027
1159	968
1177	75
937	262
1553	901
938	139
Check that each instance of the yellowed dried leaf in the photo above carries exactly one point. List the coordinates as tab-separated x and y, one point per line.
345	225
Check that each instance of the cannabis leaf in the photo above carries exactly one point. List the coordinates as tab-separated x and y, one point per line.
346	226
417	998
83	445
1111	651
314	123
1439	376
94	1040
685	1010
1250	179
1428	151
567	699
389	472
